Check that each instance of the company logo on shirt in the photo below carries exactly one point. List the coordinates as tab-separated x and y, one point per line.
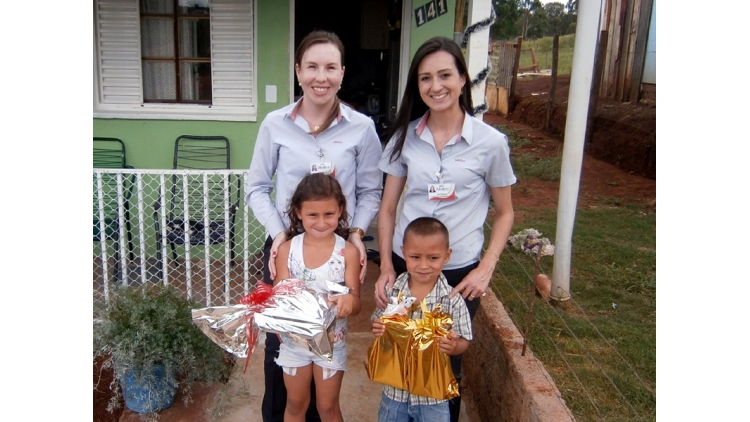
338	142
460	160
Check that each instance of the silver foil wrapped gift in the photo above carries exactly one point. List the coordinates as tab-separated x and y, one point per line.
297	310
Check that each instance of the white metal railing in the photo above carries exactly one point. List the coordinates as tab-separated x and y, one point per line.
185	228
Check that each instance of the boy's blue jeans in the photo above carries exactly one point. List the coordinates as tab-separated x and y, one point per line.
396	411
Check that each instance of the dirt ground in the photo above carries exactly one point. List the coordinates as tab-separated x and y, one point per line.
623	134
102	379
603	180
627	128
600	181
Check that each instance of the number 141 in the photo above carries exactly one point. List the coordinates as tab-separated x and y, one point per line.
430	11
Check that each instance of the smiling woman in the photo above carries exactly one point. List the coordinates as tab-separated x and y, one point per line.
438	145
320	71
308	137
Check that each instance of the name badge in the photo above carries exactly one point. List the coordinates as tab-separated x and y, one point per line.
325	168
441	191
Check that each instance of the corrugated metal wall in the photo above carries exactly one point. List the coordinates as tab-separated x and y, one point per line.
503	58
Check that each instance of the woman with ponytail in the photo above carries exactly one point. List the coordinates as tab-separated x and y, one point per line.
316	134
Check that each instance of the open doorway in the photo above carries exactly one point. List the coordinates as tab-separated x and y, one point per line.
371	33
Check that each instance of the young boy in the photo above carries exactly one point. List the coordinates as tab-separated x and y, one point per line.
426	251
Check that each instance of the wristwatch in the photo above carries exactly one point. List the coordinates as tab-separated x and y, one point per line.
358	230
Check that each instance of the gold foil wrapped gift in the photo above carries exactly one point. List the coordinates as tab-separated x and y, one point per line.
407	355
386	357
430	372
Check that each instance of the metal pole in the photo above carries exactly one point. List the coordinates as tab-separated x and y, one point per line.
584	51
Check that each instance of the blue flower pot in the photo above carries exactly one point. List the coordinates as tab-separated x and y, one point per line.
149	394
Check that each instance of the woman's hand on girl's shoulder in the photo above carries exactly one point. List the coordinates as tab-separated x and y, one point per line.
279	240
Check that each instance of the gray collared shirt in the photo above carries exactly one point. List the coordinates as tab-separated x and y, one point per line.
455	306
474	161
284	147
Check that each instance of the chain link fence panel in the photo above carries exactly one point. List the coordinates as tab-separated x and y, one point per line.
189	229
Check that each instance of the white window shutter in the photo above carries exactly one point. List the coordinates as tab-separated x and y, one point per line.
119	53
232	53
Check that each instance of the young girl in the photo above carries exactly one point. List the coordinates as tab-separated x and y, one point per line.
316	250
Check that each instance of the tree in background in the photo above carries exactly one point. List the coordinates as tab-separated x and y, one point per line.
531	19
555	19
571	16
507	13
572	7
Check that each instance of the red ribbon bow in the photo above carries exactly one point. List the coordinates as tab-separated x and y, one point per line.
259	299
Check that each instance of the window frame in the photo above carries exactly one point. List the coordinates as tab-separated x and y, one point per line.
232	100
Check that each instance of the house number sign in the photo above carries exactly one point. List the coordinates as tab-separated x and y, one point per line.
430	11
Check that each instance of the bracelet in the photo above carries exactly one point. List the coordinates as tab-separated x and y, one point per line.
493	253
359	231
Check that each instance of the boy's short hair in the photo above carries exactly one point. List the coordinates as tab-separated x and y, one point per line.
427	226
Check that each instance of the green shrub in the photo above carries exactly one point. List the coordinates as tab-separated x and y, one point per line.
149	325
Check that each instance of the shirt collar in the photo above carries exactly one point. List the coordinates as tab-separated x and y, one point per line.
402	283
343	112
467	131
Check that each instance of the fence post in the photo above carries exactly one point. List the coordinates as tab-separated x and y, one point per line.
553	80
596	83
516	63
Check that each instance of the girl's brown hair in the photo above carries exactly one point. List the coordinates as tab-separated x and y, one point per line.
321	37
316	187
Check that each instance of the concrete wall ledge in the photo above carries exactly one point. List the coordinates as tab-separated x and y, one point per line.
500	384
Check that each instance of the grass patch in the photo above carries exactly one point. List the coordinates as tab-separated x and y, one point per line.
514	140
543	48
606	333
529	167
518	143
510	133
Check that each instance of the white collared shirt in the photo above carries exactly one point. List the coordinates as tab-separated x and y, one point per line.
285	148
474	161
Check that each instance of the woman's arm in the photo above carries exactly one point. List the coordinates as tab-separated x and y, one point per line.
258	191
369	179
394	186
476	282
369	185
259	182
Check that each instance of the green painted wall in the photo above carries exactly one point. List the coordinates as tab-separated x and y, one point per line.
441	26
150	143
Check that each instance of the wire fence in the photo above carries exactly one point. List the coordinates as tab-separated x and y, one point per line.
579	350
186	228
